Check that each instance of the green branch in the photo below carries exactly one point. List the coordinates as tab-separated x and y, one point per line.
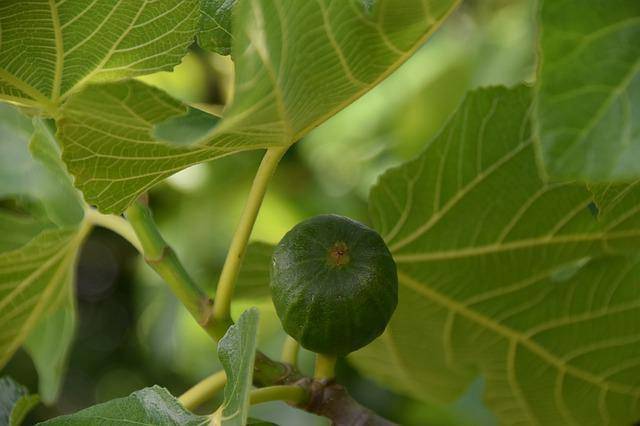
166	263
231	268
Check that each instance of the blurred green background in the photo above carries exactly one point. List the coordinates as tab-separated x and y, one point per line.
132	332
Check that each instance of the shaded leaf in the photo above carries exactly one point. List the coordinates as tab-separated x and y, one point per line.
79	42
589	89
17	230
253	280
150	406
286	56
33	281
215	26
50	342
38	247
15	402
30	166
258	422
185	129
504	275
237	350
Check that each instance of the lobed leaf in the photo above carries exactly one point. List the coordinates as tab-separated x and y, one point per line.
236	351
508	276
589	89
77	42
287	54
149	406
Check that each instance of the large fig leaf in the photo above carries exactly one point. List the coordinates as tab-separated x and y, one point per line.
504	275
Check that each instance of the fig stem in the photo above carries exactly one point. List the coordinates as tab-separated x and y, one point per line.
290	351
325	367
162	259
231	267
203	390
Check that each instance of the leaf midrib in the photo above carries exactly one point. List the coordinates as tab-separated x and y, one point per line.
57	31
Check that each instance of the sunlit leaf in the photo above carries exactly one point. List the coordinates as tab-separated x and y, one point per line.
149	406
287	54
107	132
504	275
79	41
589	94
15	402
236	351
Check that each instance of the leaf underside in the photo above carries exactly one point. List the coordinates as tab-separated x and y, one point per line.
287	54
504	275
79	42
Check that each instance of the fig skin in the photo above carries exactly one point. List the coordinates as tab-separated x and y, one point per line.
334	284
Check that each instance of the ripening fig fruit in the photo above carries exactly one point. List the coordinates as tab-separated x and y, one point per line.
334	284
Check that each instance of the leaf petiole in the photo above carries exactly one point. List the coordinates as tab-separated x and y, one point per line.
231	267
204	390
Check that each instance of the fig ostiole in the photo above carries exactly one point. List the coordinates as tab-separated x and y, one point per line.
334	284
